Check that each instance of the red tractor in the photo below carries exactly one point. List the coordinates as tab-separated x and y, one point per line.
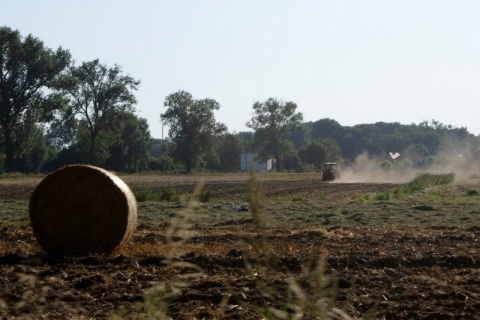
330	172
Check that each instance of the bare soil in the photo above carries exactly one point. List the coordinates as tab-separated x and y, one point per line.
188	267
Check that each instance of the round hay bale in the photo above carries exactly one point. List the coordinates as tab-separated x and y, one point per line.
80	210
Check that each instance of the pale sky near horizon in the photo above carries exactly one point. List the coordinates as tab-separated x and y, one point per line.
352	61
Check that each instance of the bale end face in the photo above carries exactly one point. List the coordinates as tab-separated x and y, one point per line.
81	210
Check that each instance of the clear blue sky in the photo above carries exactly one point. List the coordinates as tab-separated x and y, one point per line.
351	61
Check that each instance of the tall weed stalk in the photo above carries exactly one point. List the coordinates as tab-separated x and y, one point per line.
316	301
157	298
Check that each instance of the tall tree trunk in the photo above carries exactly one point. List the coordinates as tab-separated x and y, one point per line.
188	165
93	150
9	151
278	162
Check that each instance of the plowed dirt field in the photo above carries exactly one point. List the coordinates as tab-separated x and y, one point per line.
327	250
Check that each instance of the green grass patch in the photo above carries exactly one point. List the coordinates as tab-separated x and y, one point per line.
382	196
422	181
14	212
203	195
170	194
291	198
165	194
364	199
473	192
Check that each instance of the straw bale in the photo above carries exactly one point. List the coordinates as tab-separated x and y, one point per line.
81	210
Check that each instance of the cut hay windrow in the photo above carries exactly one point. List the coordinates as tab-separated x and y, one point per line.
81	210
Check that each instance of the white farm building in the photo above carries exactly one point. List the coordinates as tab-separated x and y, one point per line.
248	162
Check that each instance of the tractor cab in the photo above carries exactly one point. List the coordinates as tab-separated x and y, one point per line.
330	171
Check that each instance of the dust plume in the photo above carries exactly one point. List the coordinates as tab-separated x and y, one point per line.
369	169
461	157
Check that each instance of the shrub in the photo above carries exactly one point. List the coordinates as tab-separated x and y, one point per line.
166	194
425	180
144	195
382	197
473	192
204	195
169	194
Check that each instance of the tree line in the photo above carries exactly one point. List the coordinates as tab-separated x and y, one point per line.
54	112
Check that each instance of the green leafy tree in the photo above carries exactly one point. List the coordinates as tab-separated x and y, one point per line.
230	151
210	160
326	128
97	95
129	152
272	121
320	151
155	147
314	153
192	127
291	159
333	150
27	68
417	153
246	138
63	130
160	159
37	151
301	136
